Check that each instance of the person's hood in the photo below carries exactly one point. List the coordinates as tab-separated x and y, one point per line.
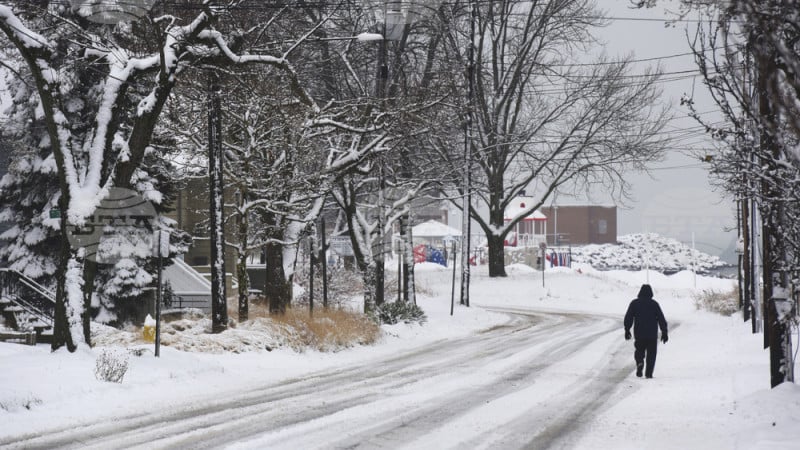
646	292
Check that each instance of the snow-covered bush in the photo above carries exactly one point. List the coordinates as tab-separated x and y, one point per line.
111	366
396	312
725	303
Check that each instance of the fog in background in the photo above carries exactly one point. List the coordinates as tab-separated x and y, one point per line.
676	199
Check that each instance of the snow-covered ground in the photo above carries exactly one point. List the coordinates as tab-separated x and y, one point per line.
711	385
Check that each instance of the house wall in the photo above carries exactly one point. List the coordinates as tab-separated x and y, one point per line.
190	211
581	224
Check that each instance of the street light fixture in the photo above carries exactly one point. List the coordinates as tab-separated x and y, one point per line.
112	12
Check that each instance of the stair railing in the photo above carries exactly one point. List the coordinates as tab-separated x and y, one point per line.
26	293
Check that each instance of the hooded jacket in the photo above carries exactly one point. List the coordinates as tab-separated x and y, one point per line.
645	315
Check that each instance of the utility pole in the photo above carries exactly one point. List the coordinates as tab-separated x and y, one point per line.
465	208
219	302
324	257
775	276
380	260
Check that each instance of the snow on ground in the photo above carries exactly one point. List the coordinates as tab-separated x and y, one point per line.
711	382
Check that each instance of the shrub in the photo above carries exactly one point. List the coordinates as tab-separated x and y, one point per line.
343	284
111	366
396	312
725	303
167	295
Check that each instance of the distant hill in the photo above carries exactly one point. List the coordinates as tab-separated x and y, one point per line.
646	250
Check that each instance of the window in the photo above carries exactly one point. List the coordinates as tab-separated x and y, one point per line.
602	226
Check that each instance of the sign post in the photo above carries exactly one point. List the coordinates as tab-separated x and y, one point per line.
161	250
543	247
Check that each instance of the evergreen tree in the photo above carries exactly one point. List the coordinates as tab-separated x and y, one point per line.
28	191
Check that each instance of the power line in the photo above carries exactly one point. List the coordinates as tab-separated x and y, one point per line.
278	4
639	60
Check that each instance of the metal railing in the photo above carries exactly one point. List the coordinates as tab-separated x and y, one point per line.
32	297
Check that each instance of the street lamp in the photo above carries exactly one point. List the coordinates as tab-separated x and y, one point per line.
112	12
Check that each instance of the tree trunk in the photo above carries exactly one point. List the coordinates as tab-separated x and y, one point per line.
61	328
368	275
409	294
364	262
496	242
242	276
89	273
244	286
778	361
497	264
277	290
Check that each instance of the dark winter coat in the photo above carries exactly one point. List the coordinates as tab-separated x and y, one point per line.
645	315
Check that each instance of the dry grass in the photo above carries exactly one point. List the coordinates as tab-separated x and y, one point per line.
329	329
725	303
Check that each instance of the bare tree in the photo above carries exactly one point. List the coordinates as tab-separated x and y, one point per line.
102	92
540	121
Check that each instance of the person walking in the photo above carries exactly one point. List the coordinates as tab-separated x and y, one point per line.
645	316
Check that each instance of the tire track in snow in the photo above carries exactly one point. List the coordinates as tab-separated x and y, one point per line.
382	402
442	410
125	431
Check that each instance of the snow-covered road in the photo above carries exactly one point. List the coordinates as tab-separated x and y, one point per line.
531	383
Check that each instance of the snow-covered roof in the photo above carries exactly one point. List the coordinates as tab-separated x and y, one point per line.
433	228
520	204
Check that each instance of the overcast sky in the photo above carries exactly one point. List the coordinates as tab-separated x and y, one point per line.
676	199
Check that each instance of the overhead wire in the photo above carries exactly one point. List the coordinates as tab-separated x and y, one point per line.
307	4
304	4
666	77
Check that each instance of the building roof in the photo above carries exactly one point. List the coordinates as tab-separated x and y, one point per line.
518	206
433	228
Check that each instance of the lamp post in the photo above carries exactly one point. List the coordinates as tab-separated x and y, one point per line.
397	15
112	12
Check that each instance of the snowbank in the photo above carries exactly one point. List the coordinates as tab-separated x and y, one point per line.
646	250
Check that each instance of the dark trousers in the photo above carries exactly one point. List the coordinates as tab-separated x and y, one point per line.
645	352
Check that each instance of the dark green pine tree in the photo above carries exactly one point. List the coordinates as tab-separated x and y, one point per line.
28	193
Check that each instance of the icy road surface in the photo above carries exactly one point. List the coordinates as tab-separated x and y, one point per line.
532	383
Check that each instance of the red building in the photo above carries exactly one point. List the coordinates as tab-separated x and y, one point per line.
581	224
